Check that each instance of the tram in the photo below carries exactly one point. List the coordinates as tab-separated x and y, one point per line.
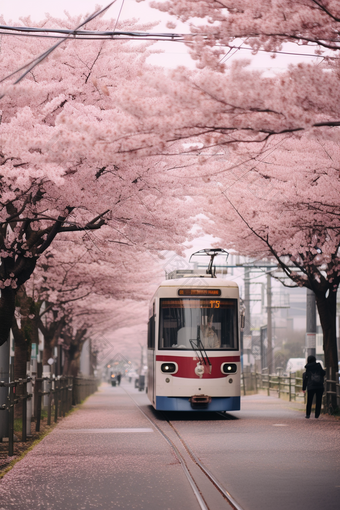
194	342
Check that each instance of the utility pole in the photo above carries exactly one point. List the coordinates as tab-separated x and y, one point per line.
246	337
269	325
248	267
310	324
247	323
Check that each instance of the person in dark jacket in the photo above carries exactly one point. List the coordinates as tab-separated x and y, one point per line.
313	383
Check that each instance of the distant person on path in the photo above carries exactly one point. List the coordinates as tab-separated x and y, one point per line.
313	383
119	376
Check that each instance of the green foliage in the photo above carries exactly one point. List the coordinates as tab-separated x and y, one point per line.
17	425
290	348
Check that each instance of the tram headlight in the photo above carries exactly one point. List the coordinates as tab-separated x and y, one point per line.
169	368
229	368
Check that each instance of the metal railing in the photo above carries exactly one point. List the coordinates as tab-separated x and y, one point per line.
54	395
332	387
13	399
288	386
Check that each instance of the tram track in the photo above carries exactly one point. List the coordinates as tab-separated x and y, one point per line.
210	494
208	474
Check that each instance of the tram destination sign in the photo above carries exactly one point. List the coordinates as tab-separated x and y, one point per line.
199	292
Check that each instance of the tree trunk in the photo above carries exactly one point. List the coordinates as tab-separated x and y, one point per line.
25	335
327	313
23	338
73	345
51	336
72	357
7	308
48	351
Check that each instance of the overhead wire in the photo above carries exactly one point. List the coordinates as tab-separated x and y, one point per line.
66	34
33	63
58	33
119	13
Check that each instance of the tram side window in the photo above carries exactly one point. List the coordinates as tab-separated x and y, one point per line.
151	333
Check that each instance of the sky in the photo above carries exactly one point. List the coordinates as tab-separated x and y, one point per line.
126	9
37	8
176	53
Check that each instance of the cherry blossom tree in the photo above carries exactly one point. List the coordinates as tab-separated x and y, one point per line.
283	205
52	182
105	148
265	24
240	104
224	109
80	288
220	110
76	277
24	330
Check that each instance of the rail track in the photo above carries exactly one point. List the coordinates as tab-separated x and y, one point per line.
210	494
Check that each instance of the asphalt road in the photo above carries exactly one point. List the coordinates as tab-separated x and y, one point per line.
108	455
268	456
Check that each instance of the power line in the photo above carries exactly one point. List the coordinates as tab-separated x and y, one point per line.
58	33
36	61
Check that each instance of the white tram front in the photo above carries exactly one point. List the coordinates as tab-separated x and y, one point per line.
193	345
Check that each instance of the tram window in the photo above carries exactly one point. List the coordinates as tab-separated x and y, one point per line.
151	333
213	320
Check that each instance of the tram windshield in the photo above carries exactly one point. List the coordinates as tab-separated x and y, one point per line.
213	321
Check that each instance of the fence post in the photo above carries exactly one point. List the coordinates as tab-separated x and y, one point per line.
11	412
74	392
38	386
331	388
4	379
69	393
29	400
64	385
268	388
61	396
50	395
24	410
61	386
56	399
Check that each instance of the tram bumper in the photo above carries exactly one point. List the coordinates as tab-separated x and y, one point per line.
164	403
200	401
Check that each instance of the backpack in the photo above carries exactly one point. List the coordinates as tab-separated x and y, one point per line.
316	379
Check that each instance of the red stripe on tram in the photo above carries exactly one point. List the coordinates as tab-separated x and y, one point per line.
187	365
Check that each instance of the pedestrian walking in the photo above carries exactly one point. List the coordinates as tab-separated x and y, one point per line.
313	383
119	376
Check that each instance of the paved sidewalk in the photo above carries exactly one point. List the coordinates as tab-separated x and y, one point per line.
107	454
104	455
298	405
